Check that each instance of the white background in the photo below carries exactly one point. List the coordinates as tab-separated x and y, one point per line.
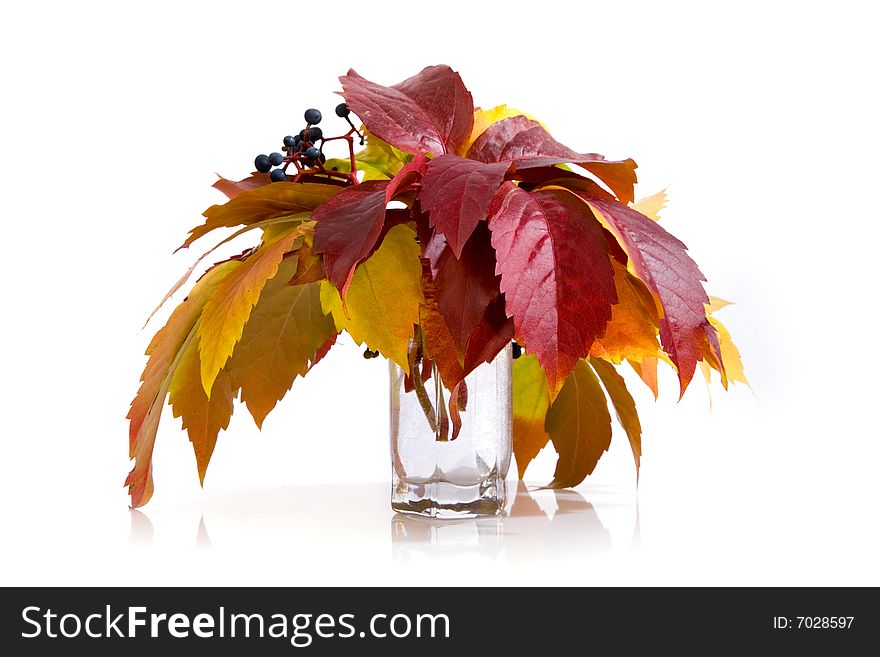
761	116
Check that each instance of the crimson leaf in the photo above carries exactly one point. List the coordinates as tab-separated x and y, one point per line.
466	285
492	334
456	194
431	112
528	145
349	224
662	262
556	275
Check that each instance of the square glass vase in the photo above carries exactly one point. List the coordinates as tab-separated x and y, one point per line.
451	450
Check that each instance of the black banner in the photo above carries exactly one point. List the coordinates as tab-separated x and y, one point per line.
413	621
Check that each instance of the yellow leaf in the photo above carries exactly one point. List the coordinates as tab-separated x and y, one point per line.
271	228
579	426
229	307
652	205
531	399
706	369
730	356
382	302
717	303
166	350
632	330
279	341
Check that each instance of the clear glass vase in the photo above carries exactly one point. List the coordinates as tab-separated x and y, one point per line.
450	453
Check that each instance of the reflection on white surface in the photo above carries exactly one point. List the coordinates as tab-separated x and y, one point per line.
203	541
141	532
524	529
304	521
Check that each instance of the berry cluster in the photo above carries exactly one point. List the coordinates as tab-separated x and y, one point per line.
305	151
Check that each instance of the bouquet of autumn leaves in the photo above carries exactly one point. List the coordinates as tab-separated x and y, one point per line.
468	228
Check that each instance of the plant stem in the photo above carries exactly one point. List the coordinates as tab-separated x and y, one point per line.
419	385
441	404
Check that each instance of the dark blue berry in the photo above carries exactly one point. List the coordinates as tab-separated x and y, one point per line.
276	159
322	157
313	116
278	175
302	135
342	110
517	350
262	163
315	134
290	141
312	153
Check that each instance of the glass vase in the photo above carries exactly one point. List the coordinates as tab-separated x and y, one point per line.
450	451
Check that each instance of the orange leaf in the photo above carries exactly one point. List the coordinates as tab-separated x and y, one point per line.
232	188
202	418
260	203
310	265
647	370
632	330
579	426
165	353
624	405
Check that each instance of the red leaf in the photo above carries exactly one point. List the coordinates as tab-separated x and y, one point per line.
349	224
439	346
456	193
713	347
466	285
662	262
529	145
433	245
556	275
323	350
492	334
347	227
431	112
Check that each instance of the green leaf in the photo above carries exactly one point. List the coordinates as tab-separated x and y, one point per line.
531	400
378	161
